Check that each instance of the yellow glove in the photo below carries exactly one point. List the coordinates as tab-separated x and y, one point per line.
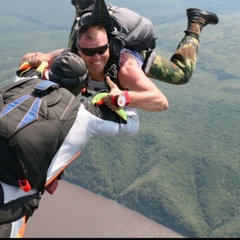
26	67
98	100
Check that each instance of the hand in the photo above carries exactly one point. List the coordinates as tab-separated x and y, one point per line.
114	90
34	59
98	100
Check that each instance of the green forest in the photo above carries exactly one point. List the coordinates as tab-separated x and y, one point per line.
182	169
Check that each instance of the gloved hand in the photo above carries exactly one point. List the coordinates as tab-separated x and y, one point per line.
25	70
98	100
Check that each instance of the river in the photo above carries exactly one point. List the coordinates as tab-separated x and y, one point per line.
75	212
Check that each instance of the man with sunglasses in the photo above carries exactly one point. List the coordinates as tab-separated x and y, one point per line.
142	94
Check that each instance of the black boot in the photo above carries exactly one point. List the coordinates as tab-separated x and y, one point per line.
197	19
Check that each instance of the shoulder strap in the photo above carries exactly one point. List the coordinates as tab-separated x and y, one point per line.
112	66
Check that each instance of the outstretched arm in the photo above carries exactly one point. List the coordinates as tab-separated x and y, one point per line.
36	58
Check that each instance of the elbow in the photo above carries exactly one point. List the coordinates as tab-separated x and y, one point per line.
163	105
166	105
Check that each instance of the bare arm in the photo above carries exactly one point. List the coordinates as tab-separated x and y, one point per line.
144	94
36	58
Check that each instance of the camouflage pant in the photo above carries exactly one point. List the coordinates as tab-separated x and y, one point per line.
181	66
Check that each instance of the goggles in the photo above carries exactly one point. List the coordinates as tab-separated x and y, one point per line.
92	51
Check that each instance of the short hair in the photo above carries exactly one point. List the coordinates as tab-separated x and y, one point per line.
84	29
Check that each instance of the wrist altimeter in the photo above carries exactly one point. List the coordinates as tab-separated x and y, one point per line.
121	100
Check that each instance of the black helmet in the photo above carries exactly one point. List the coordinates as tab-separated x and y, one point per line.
69	71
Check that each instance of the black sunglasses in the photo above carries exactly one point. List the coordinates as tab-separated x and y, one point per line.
92	51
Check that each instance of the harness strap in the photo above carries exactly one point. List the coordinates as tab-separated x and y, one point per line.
16	209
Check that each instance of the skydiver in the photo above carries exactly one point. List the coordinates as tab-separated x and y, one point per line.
91	120
142	92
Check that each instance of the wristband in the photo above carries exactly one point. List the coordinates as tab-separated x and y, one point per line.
125	92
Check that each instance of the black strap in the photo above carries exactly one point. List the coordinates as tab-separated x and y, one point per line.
148	53
16	209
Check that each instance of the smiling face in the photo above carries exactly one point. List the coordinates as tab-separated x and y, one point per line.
94	42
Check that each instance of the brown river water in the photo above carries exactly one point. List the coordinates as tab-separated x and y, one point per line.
75	212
